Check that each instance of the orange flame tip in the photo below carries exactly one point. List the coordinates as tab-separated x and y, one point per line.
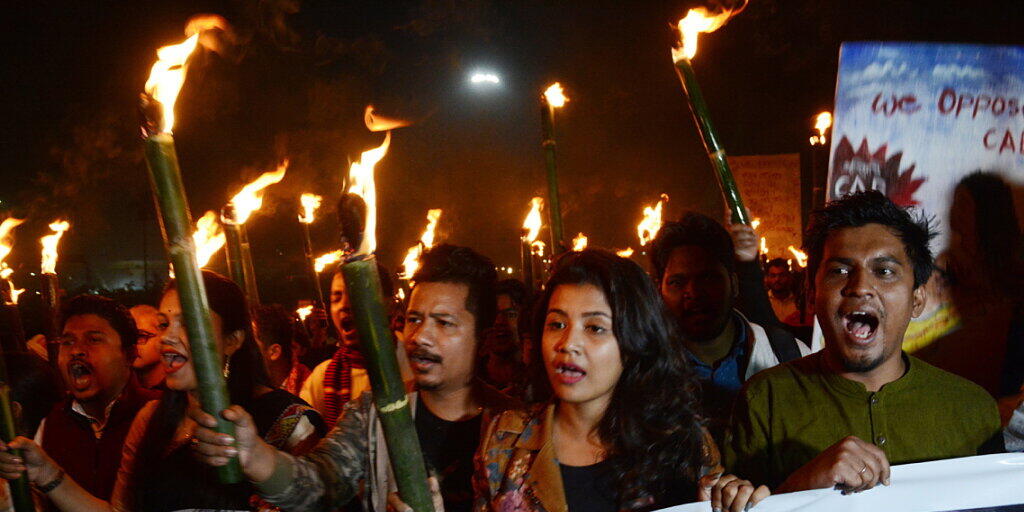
700	20
361	178
412	258
537	248
649	226
323	260
533	221
304	312
555	95
310	203
208	238
800	256
49	243
579	243
625	253
250	198
376	123
823	122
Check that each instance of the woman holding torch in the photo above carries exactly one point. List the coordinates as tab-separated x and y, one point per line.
158	471
621	431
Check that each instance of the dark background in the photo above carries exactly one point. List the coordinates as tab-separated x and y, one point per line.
296	84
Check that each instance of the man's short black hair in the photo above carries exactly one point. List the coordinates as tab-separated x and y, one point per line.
108	309
516	291
777	262
275	325
692	229
461	265
872	207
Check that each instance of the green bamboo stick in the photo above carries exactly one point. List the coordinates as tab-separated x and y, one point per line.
547	116
21	495
362	282
249	270
232	246
176	225
714	149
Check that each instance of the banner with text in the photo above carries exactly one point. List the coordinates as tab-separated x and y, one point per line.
770	187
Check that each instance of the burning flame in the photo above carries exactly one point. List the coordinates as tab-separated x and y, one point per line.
537	248
360	175
208	238
801	257
376	123
326	259
250	198
555	96
579	243
303	312
310	203
6	244
696	21
648	228
168	73
49	242
412	258
822	122
400	294
533	221
625	253
764	246
755	223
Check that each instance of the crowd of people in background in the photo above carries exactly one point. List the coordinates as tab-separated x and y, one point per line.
611	388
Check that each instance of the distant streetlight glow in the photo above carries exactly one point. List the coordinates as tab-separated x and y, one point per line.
485	78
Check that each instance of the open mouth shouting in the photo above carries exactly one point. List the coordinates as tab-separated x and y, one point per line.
81	375
423	361
568	373
861	326
173	360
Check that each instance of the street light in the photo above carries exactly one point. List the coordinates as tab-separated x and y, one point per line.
484	78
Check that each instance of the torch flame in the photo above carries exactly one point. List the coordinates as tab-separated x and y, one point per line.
699	20
801	257
555	96
764	246
303	312
400	294
579	243
168	73
310	203
533	221
6	244
648	228
412	259
755	223
360	175
822	123
250	198
625	253
537	248
376	123
49	242
208	238
323	260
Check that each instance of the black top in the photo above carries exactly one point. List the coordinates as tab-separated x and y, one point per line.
448	447
589	488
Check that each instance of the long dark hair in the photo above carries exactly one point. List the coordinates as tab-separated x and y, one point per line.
651	430
247	372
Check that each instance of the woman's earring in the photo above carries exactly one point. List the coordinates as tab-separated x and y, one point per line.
227	368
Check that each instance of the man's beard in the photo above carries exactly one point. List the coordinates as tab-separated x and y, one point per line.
862	364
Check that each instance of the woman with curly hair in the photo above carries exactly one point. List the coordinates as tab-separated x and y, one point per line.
621	431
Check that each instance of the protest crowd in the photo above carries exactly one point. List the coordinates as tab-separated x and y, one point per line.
598	381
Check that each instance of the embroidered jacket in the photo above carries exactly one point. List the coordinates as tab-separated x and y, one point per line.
516	469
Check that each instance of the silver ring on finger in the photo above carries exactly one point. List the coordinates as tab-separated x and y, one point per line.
863	469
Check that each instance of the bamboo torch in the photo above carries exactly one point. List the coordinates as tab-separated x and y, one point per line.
51	290
696	21
412	258
310	203
358	214
21	495
157	107
553	97
234	216
531	229
12	336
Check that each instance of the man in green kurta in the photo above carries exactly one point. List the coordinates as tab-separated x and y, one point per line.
840	417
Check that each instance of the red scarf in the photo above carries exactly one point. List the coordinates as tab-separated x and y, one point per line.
338	382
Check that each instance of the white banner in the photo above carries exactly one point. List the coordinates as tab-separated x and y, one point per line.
990	482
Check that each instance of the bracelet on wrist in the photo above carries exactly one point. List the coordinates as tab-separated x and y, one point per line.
45	489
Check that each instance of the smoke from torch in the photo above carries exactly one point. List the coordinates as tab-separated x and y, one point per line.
648	228
412	259
49	243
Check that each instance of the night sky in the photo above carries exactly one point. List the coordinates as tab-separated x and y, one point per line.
297	81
